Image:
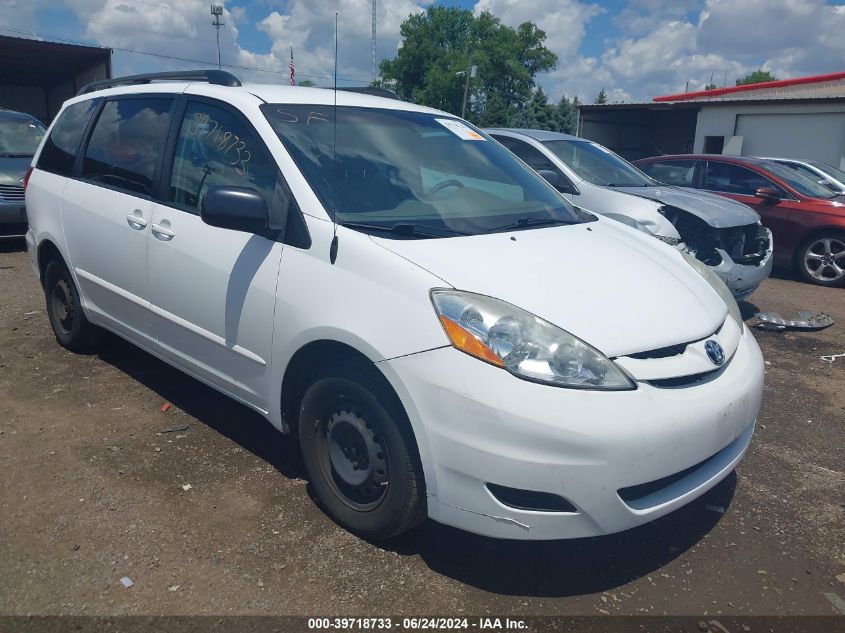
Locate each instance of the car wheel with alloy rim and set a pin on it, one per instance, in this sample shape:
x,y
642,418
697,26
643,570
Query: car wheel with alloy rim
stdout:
x,y
821,259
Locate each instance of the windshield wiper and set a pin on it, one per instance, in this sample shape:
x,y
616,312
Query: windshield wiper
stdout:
x,y
523,223
405,229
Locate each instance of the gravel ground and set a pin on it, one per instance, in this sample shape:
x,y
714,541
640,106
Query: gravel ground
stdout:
x,y
94,490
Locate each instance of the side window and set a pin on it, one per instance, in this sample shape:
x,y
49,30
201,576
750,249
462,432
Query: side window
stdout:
x,y
216,148
730,178
59,153
127,142
533,157
673,172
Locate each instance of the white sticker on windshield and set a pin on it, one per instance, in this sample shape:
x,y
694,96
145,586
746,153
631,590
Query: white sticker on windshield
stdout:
x,y
460,130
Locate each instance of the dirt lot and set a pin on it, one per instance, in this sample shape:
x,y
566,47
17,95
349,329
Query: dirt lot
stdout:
x,y
93,491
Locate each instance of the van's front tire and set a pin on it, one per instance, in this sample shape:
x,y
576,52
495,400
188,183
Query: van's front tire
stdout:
x,y
359,453
64,310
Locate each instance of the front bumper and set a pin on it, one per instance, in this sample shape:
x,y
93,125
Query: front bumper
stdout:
x,y
12,219
743,279
479,425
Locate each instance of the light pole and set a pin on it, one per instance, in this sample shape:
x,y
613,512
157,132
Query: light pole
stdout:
x,y
217,11
473,71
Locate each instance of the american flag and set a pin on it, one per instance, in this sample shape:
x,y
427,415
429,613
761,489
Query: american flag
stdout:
x,y
292,71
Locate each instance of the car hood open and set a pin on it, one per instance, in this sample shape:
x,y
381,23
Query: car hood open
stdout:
x,y
718,211
614,288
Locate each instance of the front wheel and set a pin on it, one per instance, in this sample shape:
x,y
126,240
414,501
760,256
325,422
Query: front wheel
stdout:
x,y
821,259
359,453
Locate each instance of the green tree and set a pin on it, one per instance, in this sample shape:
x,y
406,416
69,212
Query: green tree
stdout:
x,y
537,114
306,83
710,87
601,97
440,45
566,115
756,77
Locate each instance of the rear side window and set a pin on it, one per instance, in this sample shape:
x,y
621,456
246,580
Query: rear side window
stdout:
x,y
217,149
127,142
672,172
60,149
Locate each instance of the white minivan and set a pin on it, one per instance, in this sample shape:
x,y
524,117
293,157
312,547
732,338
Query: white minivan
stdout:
x,y
444,332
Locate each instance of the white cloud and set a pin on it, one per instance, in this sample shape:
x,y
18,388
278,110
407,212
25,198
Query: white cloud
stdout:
x,y
658,45
664,45
564,24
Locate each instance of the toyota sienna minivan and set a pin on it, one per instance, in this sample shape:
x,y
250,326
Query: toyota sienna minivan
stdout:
x,y
447,336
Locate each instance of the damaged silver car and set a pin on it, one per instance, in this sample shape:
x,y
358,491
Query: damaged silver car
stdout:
x,y
725,235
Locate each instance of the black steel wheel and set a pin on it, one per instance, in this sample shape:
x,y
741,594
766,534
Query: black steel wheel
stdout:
x,y
64,310
359,452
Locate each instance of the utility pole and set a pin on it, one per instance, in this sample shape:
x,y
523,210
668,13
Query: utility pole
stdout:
x,y
473,71
375,73
217,11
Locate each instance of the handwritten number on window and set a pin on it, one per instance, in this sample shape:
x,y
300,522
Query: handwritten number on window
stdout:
x,y
213,134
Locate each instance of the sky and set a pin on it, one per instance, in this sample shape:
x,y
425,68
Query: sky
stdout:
x,y
634,49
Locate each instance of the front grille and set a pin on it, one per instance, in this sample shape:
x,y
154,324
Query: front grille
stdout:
x,y
663,352
531,499
680,381
11,193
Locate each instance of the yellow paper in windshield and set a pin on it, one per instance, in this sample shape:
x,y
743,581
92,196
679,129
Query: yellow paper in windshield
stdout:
x,y
460,130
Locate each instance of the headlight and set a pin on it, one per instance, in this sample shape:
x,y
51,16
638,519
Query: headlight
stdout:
x,y
719,286
525,345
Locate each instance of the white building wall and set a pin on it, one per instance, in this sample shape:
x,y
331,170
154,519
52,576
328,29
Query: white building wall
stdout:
x,y
801,130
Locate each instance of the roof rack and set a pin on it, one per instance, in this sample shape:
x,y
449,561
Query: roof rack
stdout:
x,y
216,77
375,91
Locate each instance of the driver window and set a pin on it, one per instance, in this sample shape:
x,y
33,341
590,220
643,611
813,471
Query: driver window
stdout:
x,y
730,178
215,148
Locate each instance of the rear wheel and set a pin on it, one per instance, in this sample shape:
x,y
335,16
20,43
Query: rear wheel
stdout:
x,y
360,454
64,310
821,259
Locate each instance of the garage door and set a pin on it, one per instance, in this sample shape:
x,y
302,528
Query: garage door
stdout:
x,y
819,136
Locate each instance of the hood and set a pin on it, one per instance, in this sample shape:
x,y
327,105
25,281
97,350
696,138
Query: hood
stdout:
x,y
13,169
718,211
608,284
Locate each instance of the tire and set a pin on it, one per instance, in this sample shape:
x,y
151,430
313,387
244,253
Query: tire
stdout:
x,y
71,328
820,259
359,453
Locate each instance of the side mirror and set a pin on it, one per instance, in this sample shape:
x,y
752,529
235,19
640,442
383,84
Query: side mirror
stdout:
x,y
767,195
235,208
555,180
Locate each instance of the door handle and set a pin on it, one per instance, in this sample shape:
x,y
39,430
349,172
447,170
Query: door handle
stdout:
x,y
162,233
136,220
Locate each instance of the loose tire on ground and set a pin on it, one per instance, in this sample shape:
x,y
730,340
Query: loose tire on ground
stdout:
x,y
359,452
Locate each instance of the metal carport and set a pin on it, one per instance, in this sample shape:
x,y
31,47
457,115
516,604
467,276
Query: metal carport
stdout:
x,y
36,76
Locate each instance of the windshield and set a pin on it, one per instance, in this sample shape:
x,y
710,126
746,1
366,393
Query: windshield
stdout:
x,y
20,137
830,170
804,185
598,165
401,170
